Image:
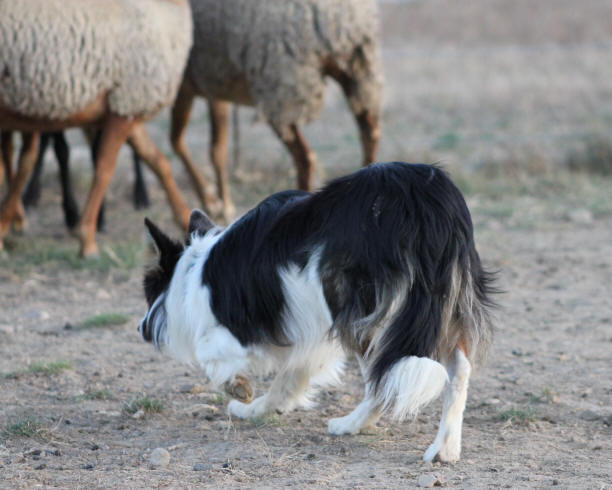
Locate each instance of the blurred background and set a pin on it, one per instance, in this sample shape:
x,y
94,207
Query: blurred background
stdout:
x,y
514,98
514,88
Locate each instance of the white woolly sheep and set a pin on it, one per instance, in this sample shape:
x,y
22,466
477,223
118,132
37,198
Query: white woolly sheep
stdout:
x,y
111,63
275,55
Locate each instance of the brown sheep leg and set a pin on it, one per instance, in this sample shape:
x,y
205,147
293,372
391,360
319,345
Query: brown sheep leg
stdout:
x,y
6,156
367,121
115,131
11,205
219,119
302,156
179,119
142,144
369,131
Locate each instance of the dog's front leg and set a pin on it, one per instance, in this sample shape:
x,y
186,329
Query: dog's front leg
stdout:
x,y
221,356
288,390
365,415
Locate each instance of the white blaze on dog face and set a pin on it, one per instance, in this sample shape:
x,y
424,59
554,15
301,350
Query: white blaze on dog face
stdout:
x,y
157,281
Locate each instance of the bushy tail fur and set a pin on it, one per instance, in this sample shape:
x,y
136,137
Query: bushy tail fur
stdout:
x,y
428,329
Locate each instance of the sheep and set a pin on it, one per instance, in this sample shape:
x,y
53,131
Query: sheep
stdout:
x,y
111,63
275,55
61,149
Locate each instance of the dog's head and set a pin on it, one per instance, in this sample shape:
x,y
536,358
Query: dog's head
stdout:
x,y
158,278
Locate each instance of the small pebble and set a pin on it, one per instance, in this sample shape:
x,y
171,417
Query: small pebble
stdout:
x,y
160,458
138,415
223,425
589,416
583,216
201,467
192,389
41,466
429,481
88,466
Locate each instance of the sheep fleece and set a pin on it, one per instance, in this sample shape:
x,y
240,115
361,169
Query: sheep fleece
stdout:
x,y
269,53
58,56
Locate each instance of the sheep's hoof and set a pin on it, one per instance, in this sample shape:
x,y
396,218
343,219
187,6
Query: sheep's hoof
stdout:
x,y
19,226
89,250
240,389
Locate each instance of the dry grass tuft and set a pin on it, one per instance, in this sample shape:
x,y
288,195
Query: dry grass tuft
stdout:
x,y
595,158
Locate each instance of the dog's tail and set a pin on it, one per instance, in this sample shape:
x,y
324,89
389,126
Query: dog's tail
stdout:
x,y
403,371
410,384
407,358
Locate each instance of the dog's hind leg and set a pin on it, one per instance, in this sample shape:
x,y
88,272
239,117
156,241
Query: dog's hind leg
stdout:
x,y
447,445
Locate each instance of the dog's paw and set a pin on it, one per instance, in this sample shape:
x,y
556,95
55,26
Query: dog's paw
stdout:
x,y
247,410
448,453
342,425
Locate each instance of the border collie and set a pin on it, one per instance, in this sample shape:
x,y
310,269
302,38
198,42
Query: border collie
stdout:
x,y
380,263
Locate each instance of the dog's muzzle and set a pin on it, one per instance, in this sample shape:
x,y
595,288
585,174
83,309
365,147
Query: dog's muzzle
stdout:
x,y
145,329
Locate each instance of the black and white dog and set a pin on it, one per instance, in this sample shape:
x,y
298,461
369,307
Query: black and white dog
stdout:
x,y
381,263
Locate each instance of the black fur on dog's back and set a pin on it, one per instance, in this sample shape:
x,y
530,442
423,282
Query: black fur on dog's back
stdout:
x,y
392,239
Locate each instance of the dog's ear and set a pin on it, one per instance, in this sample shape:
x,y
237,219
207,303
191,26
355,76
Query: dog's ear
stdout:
x,y
199,222
166,247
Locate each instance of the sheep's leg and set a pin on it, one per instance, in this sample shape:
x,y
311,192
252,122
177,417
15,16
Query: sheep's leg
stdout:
x,y
115,131
31,196
369,131
12,202
219,119
367,118
62,153
6,155
142,144
180,117
2,165
302,156
94,147
140,194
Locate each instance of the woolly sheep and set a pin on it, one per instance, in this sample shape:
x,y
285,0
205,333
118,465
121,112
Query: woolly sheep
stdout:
x,y
275,55
111,63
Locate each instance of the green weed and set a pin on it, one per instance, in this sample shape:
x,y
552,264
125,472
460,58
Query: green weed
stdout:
x,y
103,320
24,254
41,368
268,420
102,394
23,427
517,415
144,403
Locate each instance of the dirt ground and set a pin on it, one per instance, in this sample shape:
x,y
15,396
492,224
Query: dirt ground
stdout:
x,y
501,96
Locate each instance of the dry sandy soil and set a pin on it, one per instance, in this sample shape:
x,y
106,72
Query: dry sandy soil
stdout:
x,y
501,96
